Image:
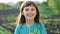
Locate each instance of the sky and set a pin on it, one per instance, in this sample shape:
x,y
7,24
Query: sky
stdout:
x,y
15,1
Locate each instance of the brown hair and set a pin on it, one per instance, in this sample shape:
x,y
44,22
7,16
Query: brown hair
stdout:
x,y
21,18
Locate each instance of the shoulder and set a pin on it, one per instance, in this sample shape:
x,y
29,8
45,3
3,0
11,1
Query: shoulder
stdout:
x,y
17,29
40,23
19,26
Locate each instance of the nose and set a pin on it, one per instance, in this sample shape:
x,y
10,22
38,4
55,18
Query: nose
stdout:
x,y
30,11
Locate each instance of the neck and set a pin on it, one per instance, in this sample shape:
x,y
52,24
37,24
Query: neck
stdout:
x,y
29,22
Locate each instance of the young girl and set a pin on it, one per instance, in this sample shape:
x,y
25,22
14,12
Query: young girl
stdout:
x,y
28,20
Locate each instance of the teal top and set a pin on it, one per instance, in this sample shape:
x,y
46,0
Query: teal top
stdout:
x,y
36,28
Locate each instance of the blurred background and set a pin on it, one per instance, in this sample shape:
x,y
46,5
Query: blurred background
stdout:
x,y
49,15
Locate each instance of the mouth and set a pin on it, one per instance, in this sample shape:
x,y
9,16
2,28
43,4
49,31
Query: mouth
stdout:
x,y
30,15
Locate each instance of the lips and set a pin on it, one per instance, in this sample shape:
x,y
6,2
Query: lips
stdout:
x,y
30,15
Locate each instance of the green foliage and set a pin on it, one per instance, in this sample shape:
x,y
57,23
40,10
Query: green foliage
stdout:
x,y
4,6
45,10
54,4
9,18
52,25
4,31
20,3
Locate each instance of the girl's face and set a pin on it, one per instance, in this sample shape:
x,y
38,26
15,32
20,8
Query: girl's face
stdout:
x,y
29,12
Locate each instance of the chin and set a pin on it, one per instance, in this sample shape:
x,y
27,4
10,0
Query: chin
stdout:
x,y
30,18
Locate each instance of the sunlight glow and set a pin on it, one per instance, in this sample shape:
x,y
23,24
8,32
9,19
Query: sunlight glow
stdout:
x,y
15,1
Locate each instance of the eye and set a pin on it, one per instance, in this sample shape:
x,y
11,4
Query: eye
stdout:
x,y
32,9
27,9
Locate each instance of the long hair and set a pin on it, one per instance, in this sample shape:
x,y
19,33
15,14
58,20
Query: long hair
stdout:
x,y
21,18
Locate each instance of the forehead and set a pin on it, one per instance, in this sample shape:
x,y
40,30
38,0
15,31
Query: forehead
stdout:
x,y
31,6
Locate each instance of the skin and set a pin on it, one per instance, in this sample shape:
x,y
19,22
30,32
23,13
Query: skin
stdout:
x,y
29,12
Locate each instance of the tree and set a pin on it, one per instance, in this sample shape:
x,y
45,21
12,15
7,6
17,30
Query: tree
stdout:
x,y
54,4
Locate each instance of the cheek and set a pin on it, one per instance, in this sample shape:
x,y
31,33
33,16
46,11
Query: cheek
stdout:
x,y
24,13
35,13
